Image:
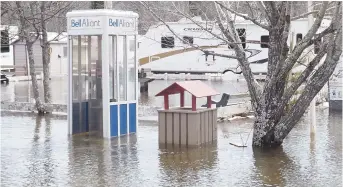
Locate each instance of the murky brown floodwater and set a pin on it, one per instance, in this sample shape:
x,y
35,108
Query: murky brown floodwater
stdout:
x,y
36,151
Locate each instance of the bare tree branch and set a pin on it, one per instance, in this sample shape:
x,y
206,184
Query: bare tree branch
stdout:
x,y
303,44
176,35
247,73
309,13
264,11
188,17
320,77
302,78
243,16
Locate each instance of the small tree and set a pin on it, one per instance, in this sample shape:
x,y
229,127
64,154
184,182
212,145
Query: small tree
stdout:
x,y
29,32
32,18
272,121
48,11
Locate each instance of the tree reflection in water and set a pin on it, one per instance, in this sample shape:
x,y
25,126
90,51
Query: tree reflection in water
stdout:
x,y
271,163
41,170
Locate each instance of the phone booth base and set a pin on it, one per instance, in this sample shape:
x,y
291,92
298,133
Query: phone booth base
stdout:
x,y
102,72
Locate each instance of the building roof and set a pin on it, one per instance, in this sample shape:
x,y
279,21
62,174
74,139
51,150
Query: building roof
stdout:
x,y
196,88
102,12
53,37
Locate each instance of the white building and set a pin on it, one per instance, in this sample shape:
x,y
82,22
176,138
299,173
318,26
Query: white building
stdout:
x,y
58,55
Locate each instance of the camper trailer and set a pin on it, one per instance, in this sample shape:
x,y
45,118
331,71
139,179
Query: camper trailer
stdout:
x,y
161,51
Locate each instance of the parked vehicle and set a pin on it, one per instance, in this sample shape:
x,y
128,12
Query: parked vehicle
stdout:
x,y
4,79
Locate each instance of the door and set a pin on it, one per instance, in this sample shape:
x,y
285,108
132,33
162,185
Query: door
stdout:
x,y
95,108
86,83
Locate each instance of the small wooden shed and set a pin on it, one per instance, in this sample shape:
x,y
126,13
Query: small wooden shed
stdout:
x,y
183,125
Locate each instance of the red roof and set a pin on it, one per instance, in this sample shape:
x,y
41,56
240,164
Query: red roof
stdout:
x,y
196,88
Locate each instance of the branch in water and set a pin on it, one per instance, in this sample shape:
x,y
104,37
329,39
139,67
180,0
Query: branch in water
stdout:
x,y
238,145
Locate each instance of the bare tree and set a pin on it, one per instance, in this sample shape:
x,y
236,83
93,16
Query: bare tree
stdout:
x,y
272,121
49,10
29,31
32,19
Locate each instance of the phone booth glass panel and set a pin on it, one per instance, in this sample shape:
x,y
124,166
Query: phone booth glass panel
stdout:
x,y
87,80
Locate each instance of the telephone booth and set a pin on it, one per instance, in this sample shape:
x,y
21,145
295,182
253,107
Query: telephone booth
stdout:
x,y
102,72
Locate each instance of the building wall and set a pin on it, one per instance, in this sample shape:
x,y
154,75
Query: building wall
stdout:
x,y
58,59
335,88
58,65
20,57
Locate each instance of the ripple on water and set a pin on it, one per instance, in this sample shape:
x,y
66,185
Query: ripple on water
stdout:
x,y
36,151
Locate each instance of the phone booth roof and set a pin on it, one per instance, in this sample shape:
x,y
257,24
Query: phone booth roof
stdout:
x,y
102,21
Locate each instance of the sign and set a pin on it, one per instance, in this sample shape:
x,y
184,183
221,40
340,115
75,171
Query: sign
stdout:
x,y
114,24
335,93
335,83
122,25
84,23
126,23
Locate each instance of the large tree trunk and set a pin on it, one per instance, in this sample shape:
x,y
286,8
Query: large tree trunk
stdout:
x,y
273,122
39,105
266,114
45,57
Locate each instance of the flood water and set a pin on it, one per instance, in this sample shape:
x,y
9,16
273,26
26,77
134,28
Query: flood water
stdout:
x,y
22,92
36,151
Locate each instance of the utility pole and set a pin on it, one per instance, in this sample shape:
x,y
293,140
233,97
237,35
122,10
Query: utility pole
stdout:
x,y
108,4
309,58
97,4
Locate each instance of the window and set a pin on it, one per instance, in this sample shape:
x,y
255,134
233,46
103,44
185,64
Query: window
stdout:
x,y
187,40
113,85
317,44
299,37
122,66
264,40
131,69
5,47
167,42
242,36
65,51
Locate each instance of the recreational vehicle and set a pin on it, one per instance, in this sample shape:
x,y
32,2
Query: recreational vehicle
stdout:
x,y
161,51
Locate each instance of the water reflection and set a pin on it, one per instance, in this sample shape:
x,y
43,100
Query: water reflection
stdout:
x,y
271,166
183,165
335,130
36,151
41,172
22,92
87,158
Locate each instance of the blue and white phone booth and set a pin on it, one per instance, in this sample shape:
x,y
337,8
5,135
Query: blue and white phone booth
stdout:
x,y
102,72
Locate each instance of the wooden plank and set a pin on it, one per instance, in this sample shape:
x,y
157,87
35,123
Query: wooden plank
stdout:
x,y
176,129
169,128
205,121
193,129
215,124
161,127
210,124
183,129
